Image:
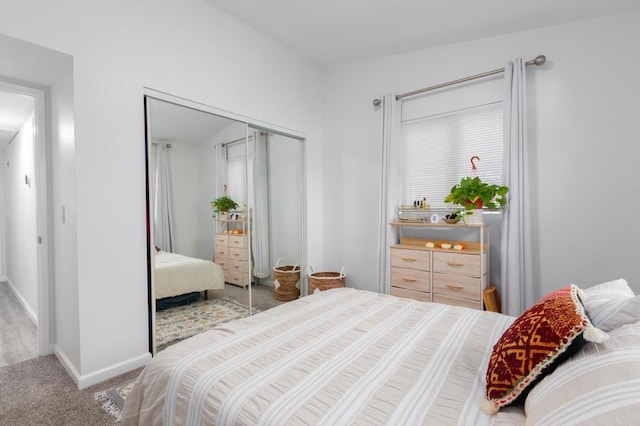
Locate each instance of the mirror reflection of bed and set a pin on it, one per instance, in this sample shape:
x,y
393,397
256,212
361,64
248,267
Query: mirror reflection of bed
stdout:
x,y
194,157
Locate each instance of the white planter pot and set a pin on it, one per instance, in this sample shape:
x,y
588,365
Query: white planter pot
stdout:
x,y
475,218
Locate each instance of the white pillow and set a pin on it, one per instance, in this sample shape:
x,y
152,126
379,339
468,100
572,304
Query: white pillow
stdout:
x,y
598,385
610,290
616,313
612,304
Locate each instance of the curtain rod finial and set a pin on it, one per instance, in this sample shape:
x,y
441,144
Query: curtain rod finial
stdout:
x,y
540,60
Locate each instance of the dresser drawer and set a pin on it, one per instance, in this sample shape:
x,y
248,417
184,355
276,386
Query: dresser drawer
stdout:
x,y
238,241
410,259
456,263
457,286
236,265
221,239
236,253
222,261
235,277
410,294
410,279
221,251
447,300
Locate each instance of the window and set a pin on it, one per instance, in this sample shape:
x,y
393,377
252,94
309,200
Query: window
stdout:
x,y
435,152
238,166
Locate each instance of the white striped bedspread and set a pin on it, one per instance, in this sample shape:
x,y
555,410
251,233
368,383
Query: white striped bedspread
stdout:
x,y
342,356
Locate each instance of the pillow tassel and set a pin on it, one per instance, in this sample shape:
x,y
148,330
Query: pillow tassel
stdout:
x,y
594,334
582,294
487,406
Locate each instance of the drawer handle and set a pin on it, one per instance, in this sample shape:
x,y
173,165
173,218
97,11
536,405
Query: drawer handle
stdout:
x,y
411,280
409,259
455,287
455,264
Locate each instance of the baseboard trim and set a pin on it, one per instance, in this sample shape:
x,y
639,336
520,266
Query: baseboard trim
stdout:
x,y
86,380
66,363
32,315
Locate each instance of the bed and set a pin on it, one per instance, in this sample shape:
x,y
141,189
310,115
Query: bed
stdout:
x,y
347,356
176,274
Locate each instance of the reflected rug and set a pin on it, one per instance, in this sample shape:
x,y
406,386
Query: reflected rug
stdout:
x,y
178,323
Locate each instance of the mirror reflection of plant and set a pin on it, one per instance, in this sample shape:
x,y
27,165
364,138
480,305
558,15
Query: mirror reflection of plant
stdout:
x,y
223,204
472,193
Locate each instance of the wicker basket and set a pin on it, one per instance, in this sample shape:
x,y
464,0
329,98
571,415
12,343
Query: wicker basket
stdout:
x,y
287,277
321,281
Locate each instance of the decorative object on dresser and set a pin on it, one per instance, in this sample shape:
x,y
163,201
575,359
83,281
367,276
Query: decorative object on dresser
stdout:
x,y
450,272
285,280
223,205
325,280
232,250
473,194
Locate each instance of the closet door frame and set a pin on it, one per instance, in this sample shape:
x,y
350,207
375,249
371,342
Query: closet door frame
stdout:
x,y
250,123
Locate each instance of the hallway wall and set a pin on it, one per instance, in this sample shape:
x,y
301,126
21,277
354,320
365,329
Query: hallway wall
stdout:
x,y
20,226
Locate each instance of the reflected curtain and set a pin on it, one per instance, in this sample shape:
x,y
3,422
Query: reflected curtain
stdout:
x,y
260,241
162,215
516,286
221,170
388,179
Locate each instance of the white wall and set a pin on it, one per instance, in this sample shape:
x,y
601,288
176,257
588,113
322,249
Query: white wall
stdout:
x,y
3,269
184,170
186,48
582,113
35,66
19,184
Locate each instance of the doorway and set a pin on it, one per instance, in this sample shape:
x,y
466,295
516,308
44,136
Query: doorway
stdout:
x,y
24,265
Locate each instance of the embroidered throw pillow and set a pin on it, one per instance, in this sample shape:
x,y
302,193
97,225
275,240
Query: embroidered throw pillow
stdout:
x,y
540,339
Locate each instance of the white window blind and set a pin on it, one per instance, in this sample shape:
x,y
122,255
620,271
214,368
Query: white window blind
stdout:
x,y
435,152
237,166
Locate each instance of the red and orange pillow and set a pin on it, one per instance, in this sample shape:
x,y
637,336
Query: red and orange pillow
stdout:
x,y
542,337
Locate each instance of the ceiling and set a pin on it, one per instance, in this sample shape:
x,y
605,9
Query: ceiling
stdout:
x,y
178,124
337,31
14,111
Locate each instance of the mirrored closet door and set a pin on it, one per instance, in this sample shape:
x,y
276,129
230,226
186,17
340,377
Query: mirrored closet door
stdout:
x,y
208,266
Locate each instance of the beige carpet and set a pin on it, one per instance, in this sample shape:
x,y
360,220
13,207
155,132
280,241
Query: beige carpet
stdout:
x,y
40,392
261,295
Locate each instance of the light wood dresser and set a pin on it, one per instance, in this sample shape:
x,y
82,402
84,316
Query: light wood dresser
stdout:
x,y
442,275
231,252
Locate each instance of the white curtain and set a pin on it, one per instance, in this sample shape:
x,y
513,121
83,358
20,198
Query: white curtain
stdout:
x,y
221,170
389,199
162,214
516,287
260,241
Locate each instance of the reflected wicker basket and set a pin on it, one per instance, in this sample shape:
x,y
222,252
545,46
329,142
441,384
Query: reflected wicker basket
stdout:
x,y
326,280
285,282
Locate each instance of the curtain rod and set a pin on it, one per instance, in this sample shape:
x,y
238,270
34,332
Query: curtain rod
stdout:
x,y
233,142
538,61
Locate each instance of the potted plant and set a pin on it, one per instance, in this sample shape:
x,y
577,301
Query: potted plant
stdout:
x,y
223,204
473,194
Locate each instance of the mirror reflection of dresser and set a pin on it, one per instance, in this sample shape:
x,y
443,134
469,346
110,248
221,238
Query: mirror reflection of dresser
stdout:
x,y
210,153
